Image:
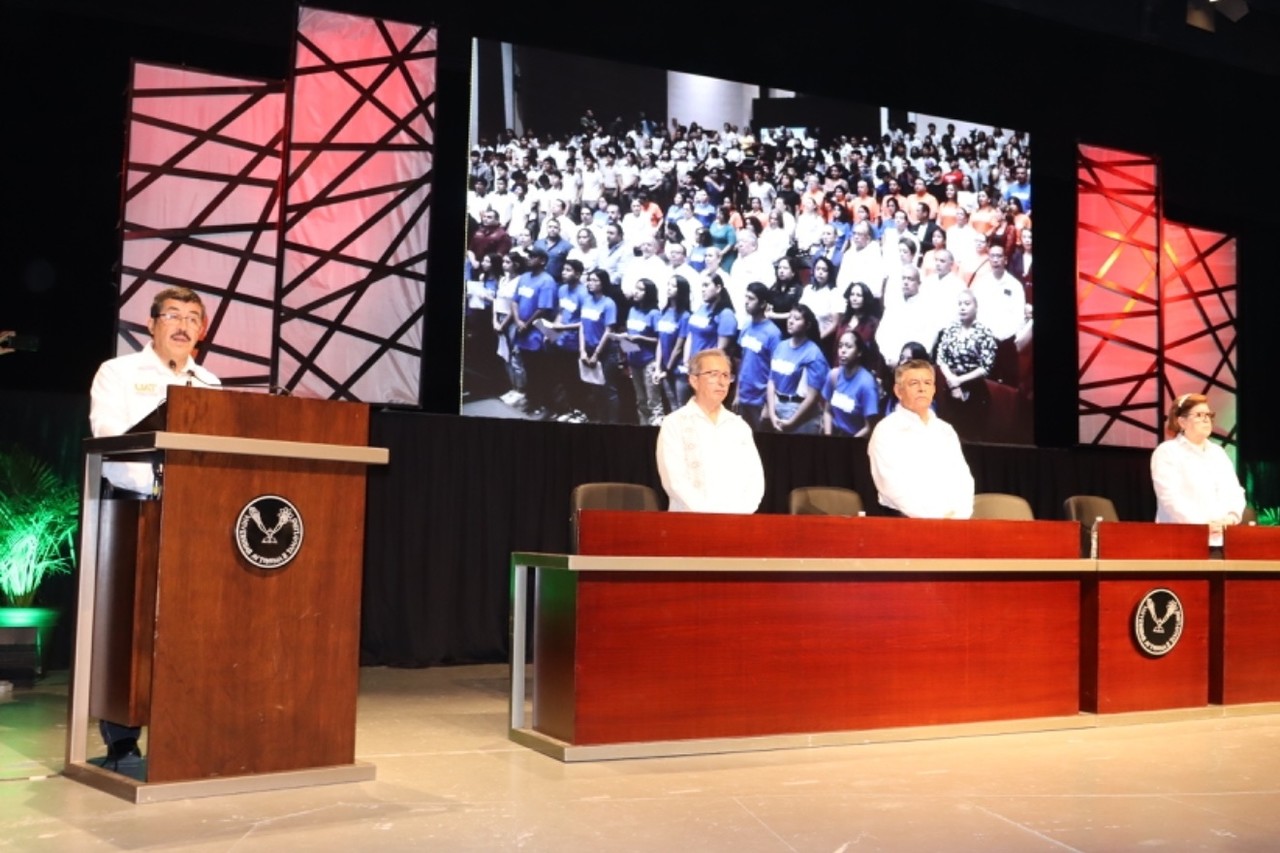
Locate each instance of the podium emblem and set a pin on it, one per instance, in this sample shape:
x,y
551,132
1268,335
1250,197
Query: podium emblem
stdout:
x,y
269,532
1157,622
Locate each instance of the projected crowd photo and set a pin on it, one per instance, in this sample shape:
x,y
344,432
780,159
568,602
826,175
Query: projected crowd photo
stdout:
x,y
606,245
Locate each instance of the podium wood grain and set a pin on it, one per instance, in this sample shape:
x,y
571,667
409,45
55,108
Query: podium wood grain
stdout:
x,y
250,671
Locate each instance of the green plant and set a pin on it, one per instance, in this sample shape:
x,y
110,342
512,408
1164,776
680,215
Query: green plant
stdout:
x,y
1269,516
39,517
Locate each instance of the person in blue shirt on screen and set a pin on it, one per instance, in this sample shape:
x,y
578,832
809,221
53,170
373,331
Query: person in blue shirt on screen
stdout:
x,y
535,300
850,395
796,375
673,328
597,348
642,332
713,325
757,341
562,354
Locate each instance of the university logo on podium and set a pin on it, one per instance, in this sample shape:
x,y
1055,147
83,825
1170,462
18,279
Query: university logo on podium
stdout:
x,y
1157,622
269,532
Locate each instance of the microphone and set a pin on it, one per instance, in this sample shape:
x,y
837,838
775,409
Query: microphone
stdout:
x,y
189,373
173,368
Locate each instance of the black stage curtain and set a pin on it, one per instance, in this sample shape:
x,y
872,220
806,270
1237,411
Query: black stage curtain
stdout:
x,y
461,494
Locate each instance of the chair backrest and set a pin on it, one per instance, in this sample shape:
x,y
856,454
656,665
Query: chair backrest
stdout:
x,y
622,496
825,500
1088,508
997,505
1249,516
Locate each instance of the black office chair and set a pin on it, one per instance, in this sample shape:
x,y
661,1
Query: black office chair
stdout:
x,y
997,505
824,500
621,496
1087,509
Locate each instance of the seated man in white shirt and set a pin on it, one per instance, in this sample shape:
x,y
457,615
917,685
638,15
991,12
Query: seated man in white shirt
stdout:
x,y
707,456
916,461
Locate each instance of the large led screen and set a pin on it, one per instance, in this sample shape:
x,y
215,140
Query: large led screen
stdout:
x,y
620,218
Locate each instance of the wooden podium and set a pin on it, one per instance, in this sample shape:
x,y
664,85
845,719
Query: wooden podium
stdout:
x,y
1134,559
242,664
1244,664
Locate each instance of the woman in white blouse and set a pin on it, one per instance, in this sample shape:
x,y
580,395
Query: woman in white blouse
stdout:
x,y
1194,480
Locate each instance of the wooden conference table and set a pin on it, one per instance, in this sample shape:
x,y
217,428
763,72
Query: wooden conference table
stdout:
x,y
676,633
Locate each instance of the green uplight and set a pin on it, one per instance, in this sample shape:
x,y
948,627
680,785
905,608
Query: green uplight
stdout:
x,y
28,617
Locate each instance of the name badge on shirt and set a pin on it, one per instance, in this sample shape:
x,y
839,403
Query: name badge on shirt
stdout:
x,y
843,402
637,324
667,326
527,291
149,388
590,313
782,367
568,306
753,344
700,320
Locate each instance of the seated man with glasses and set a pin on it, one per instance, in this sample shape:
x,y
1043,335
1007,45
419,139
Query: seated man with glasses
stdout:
x,y
1194,480
125,390
707,456
916,461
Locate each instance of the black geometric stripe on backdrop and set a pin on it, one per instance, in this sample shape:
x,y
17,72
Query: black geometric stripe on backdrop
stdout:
x,y
379,269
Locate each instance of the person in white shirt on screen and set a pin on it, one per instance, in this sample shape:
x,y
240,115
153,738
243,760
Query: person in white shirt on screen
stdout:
x,y
706,454
1001,296
862,262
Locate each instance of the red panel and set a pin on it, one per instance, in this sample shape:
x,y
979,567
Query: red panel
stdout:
x,y
1129,680
1146,540
715,655
1250,666
1156,305
1243,542
1198,320
1117,296
605,532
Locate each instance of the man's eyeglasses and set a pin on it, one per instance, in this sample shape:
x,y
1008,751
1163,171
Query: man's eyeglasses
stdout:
x,y
716,375
174,318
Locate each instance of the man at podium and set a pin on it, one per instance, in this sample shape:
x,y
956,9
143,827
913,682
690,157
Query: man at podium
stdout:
x,y
125,390
128,388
